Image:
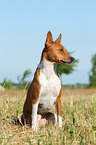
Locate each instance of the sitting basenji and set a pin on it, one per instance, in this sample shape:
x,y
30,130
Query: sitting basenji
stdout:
x,y
45,89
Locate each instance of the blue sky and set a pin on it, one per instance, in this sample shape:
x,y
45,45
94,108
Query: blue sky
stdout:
x,y
23,28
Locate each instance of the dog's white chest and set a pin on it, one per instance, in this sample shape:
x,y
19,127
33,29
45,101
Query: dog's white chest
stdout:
x,y
50,87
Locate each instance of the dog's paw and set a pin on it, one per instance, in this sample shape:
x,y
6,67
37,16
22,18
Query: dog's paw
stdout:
x,y
36,124
34,127
43,122
60,125
60,122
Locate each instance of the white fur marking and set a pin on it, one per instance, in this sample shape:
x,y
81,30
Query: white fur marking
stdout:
x,y
50,85
34,115
55,119
59,121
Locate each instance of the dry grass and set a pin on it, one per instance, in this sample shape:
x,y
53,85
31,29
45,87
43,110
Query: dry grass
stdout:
x,y
78,114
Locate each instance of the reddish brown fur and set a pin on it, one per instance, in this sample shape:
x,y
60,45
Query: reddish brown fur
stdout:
x,y
32,98
53,52
58,104
56,53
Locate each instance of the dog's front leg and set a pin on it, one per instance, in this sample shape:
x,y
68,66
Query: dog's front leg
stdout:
x,y
58,110
34,115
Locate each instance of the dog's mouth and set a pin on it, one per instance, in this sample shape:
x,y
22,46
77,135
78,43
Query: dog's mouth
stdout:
x,y
67,62
64,62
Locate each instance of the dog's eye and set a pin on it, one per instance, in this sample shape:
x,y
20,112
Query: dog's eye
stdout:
x,y
61,50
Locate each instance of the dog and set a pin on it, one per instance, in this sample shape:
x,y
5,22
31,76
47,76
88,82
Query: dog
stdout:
x,y
45,89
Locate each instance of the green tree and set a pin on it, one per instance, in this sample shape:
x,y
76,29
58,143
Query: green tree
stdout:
x,y
66,69
7,83
21,78
92,74
25,75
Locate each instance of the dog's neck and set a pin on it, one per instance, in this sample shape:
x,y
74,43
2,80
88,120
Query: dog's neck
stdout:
x,y
47,67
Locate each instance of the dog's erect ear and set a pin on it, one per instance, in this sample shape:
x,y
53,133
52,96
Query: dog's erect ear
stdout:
x,y
58,40
49,39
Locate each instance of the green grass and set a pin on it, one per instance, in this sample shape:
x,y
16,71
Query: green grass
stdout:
x,y
78,115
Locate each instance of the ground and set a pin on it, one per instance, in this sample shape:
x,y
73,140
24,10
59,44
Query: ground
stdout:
x,y
78,115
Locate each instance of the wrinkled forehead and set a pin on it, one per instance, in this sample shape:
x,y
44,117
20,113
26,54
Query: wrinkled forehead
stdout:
x,y
58,46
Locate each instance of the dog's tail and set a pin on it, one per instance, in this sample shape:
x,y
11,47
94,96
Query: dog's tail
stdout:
x,y
16,121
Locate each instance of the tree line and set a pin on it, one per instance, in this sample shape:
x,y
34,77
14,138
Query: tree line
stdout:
x,y
61,69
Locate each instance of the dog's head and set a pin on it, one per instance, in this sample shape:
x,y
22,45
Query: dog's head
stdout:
x,y
55,52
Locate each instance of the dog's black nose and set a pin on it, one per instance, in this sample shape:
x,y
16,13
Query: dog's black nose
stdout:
x,y
72,59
